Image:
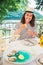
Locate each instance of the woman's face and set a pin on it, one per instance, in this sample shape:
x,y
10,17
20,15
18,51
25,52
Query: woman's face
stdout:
x,y
28,17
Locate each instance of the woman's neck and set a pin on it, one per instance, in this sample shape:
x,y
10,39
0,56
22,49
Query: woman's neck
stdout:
x,y
27,23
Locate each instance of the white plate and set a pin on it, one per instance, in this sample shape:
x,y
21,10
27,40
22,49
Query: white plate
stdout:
x,y
39,59
33,54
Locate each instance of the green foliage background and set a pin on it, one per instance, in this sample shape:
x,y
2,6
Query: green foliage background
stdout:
x,y
14,5
11,5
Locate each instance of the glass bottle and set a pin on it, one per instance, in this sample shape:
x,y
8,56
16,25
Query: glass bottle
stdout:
x,y
41,40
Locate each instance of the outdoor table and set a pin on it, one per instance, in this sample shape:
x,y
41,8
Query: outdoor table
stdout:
x,y
20,44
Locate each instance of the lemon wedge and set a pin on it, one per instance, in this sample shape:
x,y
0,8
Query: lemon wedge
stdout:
x,y
21,57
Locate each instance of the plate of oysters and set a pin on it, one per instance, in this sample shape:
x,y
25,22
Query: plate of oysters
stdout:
x,y
19,57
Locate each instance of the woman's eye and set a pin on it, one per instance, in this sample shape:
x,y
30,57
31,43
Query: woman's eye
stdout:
x,y
30,15
27,14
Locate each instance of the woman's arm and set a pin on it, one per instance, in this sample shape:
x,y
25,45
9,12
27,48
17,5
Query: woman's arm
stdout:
x,y
18,31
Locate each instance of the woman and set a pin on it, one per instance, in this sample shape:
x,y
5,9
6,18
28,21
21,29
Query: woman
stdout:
x,y
26,28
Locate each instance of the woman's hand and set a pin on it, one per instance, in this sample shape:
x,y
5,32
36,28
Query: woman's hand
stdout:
x,y
34,34
17,31
31,33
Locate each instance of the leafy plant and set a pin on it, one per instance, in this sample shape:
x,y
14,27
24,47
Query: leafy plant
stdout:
x,y
3,31
10,5
39,4
40,27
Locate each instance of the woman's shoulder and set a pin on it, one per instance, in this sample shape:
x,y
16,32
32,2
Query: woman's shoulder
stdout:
x,y
19,25
22,25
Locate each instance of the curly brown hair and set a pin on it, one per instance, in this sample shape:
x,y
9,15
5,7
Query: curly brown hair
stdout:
x,y
32,22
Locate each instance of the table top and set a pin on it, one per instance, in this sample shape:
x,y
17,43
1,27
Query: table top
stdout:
x,y
20,44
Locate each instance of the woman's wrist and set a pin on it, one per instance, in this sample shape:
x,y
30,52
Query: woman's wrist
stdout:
x,y
34,34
